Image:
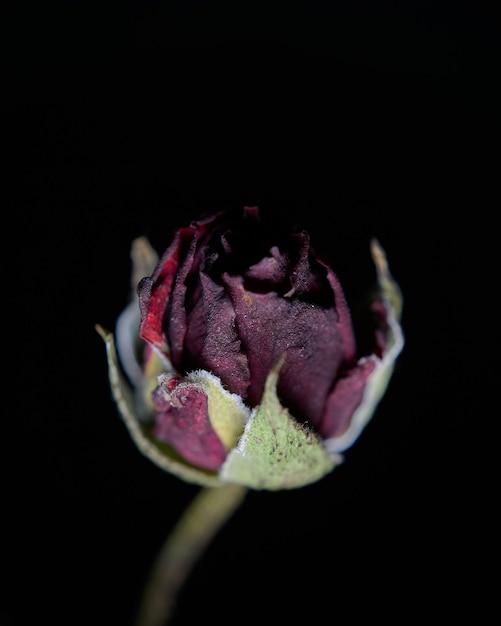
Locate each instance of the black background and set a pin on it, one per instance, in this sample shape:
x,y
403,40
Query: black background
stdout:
x,y
371,119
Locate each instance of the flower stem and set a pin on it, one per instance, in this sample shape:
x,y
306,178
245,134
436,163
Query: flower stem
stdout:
x,y
198,525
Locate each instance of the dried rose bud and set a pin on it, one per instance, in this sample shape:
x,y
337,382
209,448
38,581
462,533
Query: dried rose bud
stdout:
x,y
243,358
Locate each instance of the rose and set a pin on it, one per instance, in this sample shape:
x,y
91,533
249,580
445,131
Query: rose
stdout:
x,y
249,367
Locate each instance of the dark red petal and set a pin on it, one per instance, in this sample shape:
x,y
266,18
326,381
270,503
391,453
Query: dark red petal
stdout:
x,y
175,324
271,270
301,276
183,423
344,316
268,326
344,399
154,292
212,342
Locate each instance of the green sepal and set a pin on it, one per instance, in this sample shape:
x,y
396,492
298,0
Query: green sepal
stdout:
x,y
160,454
276,452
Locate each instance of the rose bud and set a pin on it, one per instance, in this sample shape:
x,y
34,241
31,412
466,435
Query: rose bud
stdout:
x,y
242,356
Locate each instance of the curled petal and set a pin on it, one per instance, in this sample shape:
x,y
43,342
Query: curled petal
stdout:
x,y
154,292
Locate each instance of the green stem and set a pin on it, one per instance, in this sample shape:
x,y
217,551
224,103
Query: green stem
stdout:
x,y
198,525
